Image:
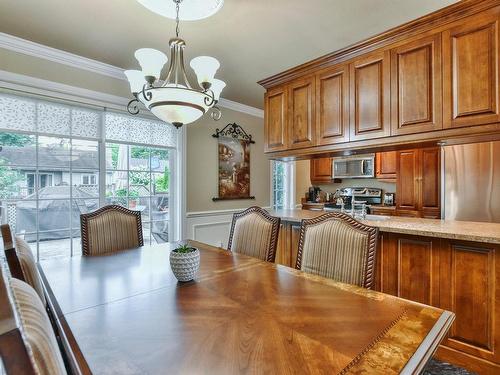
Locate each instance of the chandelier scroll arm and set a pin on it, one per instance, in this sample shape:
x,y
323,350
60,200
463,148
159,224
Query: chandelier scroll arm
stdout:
x,y
209,99
216,113
133,106
146,93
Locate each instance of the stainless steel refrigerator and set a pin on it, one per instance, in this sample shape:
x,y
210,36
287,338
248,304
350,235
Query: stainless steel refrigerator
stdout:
x,y
471,182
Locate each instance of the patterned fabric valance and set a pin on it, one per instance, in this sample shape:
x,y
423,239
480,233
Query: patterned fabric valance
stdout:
x,y
19,113
126,128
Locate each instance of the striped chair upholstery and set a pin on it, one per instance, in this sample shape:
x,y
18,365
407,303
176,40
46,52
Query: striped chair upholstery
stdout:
x,y
255,233
110,229
336,246
28,266
37,331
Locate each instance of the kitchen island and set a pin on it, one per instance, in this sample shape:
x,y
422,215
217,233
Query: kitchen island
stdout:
x,y
453,265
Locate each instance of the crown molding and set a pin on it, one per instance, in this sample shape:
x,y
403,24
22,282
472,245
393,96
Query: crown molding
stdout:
x,y
235,106
56,90
26,47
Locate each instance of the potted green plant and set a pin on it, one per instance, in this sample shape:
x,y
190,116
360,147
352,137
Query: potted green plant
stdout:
x,y
185,262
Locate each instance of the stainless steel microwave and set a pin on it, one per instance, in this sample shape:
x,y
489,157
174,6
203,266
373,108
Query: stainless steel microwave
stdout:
x,y
359,166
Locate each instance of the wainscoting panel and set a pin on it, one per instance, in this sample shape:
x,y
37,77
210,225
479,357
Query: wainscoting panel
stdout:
x,y
211,227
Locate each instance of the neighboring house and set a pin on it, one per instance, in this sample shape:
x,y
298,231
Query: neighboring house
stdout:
x,y
55,171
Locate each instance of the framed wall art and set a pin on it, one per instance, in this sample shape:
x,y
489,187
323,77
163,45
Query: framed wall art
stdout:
x,y
234,163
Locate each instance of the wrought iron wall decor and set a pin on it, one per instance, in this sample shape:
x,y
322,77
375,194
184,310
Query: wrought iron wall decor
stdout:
x,y
234,162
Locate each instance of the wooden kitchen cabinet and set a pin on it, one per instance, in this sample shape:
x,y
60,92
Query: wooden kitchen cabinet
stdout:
x,y
332,105
275,119
470,71
383,210
385,166
321,170
430,80
288,244
430,183
416,86
370,96
301,120
418,183
454,275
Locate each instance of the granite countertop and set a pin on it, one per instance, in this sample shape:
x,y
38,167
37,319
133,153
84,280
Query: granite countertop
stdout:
x,y
460,230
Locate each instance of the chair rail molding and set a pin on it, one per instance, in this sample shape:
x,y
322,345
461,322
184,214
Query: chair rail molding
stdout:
x,y
26,47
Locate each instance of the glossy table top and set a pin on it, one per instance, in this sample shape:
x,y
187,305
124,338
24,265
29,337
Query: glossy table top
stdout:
x,y
129,315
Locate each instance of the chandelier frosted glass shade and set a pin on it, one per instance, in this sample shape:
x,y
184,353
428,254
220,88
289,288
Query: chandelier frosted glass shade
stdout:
x,y
217,87
136,80
191,9
205,68
151,61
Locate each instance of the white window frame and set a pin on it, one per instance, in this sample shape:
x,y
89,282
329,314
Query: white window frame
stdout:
x,y
289,184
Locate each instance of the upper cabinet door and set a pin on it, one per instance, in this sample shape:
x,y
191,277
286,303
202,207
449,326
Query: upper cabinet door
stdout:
x,y
301,129
470,71
370,96
275,116
332,103
321,170
416,87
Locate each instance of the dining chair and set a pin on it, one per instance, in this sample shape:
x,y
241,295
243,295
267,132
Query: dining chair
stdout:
x,y
21,262
28,344
336,246
255,233
109,229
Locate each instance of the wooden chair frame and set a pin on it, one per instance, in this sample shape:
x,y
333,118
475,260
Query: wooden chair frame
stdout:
x,y
11,254
369,275
275,221
84,223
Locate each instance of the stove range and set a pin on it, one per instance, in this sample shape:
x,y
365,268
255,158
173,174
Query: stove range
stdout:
x,y
370,196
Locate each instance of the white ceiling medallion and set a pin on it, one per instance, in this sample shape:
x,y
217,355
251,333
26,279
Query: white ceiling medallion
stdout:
x,y
172,98
191,10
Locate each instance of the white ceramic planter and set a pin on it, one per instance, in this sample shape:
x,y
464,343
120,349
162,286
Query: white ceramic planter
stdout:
x,y
185,265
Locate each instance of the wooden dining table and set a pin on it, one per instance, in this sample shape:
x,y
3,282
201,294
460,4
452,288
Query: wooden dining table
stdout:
x,y
125,313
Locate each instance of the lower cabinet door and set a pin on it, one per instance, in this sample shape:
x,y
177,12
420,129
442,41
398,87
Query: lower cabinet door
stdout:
x,y
469,287
454,275
282,250
294,242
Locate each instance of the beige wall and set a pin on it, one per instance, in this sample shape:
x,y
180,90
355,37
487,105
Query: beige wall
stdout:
x,y
303,181
40,68
202,163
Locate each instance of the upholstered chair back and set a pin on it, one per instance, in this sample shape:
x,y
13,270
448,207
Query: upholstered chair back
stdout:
x,y
38,333
28,266
336,246
110,229
255,233
28,343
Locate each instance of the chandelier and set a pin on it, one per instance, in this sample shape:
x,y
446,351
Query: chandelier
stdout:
x,y
173,99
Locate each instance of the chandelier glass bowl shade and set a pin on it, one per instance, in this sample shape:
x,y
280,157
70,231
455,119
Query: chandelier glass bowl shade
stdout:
x,y
172,98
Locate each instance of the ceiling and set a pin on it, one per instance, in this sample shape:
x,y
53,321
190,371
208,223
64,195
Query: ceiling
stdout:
x,y
253,39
